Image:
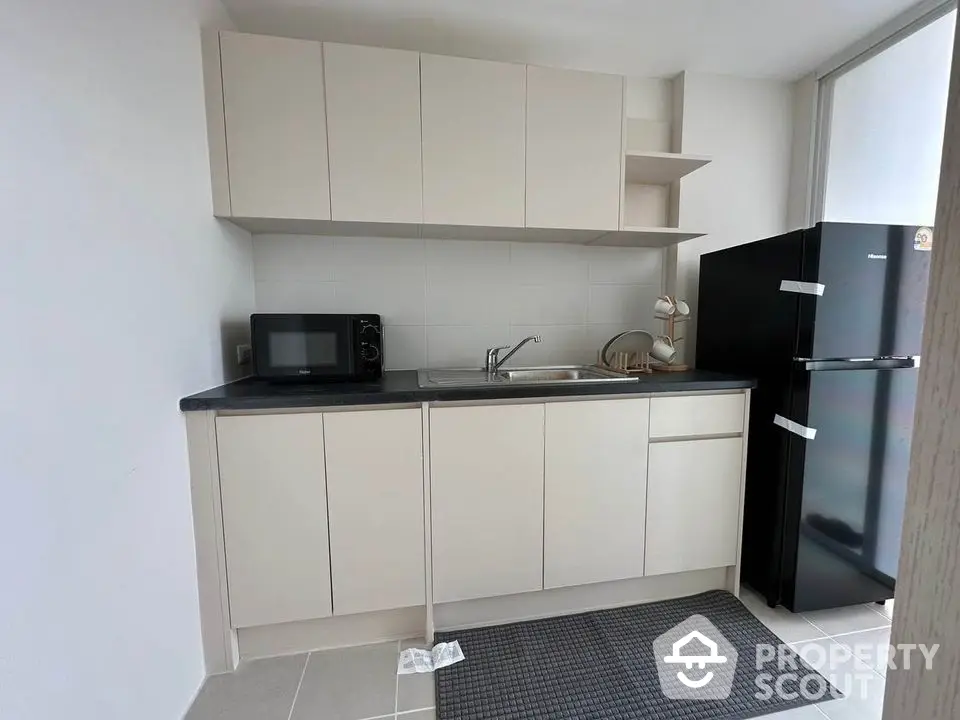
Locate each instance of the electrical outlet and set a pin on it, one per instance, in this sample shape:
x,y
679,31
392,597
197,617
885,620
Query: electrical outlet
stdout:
x,y
244,354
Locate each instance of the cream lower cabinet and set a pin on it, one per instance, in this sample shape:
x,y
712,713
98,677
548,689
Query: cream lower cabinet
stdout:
x,y
595,489
375,499
486,466
273,494
693,504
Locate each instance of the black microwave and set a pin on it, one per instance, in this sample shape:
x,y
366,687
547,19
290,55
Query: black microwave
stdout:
x,y
317,347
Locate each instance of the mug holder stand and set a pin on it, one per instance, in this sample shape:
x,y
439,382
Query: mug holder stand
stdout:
x,y
671,331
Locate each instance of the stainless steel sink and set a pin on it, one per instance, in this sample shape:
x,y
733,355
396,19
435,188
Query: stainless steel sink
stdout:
x,y
553,375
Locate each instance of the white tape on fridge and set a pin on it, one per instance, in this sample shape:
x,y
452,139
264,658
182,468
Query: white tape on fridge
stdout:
x,y
806,288
796,428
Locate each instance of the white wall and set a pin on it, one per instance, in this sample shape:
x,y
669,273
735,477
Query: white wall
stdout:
x,y
115,285
444,301
747,127
802,155
886,133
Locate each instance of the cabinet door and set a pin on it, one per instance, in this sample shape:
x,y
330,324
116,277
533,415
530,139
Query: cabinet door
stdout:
x,y
473,141
375,498
574,150
373,123
594,491
693,505
486,468
276,127
273,493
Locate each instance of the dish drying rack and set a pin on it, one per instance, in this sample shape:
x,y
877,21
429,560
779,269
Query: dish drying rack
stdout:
x,y
630,363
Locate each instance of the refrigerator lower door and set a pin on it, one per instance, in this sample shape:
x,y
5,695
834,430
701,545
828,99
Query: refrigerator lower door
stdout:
x,y
847,486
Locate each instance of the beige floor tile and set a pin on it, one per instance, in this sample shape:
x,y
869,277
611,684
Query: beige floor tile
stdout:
x,y
349,684
840,621
786,625
871,646
417,691
430,714
809,712
258,690
886,609
862,687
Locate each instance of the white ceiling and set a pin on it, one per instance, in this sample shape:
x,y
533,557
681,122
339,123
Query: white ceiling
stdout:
x,y
656,38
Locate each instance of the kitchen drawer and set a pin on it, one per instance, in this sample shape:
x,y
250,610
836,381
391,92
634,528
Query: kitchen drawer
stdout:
x,y
696,415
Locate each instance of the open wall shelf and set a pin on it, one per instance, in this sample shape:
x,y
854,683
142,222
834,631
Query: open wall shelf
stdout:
x,y
655,237
660,168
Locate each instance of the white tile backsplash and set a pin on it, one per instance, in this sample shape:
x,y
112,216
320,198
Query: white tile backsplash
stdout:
x,y
631,305
405,346
453,302
549,304
398,299
463,345
297,296
625,266
443,301
294,259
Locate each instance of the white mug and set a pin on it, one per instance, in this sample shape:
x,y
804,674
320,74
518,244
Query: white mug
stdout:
x,y
663,350
683,310
665,306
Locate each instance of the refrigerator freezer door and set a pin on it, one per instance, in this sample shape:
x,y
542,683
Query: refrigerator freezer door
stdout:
x,y
850,486
875,291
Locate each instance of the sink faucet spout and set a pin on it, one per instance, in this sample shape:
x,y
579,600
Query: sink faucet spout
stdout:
x,y
494,361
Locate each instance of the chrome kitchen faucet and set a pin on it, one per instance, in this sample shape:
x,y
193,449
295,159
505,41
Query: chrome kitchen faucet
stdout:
x,y
493,360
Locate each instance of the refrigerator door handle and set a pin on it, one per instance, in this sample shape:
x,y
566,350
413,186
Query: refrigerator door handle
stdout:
x,y
886,363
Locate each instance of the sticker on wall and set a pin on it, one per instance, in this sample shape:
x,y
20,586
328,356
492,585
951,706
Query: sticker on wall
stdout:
x,y
923,240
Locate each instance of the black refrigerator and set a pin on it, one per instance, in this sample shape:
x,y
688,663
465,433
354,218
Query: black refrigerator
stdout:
x,y
829,321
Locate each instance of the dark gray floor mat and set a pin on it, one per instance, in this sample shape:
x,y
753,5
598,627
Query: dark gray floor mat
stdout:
x,y
601,666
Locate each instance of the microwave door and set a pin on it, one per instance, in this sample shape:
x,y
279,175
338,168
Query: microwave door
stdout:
x,y
302,346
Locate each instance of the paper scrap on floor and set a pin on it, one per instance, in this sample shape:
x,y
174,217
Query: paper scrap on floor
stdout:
x,y
415,660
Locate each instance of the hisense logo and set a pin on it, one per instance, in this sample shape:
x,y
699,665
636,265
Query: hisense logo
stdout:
x,y
875,256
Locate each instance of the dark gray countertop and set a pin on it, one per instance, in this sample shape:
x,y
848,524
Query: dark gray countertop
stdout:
x,y
400,386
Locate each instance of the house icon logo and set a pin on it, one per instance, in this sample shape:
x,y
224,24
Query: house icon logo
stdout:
x,y
695,661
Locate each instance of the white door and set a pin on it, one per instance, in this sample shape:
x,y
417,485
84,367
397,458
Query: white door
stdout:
x,y
275,121
595,491
693,505
486,468
273,494
373,122
473,141
574,149
375,498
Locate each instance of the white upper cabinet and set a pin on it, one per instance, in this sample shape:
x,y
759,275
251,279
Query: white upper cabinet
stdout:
x,y
275,124
595,491
373,125
574,149
473,141
374,461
